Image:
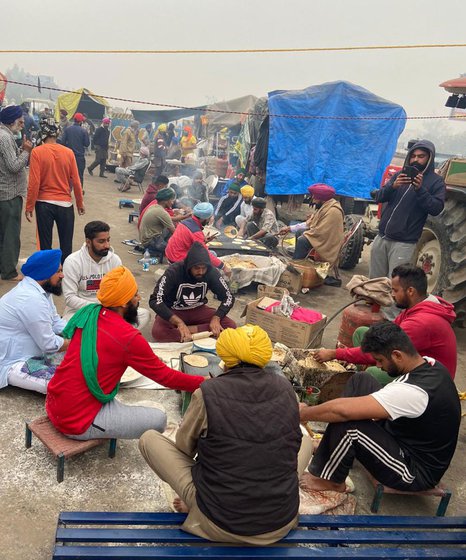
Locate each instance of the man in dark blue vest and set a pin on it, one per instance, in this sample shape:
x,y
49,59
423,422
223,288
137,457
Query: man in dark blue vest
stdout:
x,y
244,428
404,434
76,138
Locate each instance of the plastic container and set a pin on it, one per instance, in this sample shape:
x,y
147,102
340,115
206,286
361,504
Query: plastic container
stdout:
x,y
310,277
205,345
147,260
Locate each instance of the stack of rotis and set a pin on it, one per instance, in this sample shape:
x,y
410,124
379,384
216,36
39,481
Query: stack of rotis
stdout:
x,y
300,366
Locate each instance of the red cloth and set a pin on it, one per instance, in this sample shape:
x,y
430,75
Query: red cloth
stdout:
x,y
428,325
300,314
70,405
306,315
181,241
164,331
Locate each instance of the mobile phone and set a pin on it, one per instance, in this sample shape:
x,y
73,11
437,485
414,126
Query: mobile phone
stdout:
x,y
410,171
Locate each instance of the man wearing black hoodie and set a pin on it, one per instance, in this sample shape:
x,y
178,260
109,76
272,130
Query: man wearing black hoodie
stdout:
x,y
180,296
409,200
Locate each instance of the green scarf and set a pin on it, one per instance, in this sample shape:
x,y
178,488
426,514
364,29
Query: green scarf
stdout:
x,y
86,319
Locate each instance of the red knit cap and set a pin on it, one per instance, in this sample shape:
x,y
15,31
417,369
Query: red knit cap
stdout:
x,y
321,191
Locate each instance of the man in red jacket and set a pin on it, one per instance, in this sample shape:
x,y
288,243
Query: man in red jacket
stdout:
x,y
425,319
80,401
191,230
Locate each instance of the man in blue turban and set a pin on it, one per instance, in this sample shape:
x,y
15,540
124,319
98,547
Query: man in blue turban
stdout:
x,y
13,188
31,345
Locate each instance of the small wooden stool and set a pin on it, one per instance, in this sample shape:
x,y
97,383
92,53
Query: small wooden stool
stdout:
x,y
438,491
61,446
133,216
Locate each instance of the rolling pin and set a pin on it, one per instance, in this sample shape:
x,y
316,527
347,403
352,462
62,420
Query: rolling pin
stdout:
x,y
200,335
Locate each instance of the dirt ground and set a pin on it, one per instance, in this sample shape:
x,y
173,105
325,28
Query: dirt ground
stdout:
x,y
30,496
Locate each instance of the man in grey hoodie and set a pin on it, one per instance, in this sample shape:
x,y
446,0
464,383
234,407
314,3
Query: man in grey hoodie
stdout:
x,y
409,200
84,269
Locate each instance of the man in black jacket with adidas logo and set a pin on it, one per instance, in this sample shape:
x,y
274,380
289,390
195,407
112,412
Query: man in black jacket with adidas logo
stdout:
x,y
404,434
180,299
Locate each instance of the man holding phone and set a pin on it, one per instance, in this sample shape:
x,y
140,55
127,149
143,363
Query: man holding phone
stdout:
x,y
410,196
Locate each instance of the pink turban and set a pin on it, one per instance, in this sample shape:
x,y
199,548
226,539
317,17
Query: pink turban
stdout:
x,y
321,191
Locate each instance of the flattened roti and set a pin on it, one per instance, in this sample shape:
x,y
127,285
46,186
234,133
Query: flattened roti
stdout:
x,y
215,243
196,361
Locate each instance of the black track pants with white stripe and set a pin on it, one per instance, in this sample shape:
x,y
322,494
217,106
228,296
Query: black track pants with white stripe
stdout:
x,y
367,441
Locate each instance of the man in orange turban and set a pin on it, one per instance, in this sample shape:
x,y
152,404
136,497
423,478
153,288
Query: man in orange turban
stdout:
x,y
244,428
81,401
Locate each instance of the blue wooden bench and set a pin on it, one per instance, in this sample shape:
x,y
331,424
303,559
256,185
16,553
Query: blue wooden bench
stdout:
x,y
158,535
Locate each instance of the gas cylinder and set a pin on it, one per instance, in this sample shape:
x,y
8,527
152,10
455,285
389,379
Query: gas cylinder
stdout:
x,y
360,314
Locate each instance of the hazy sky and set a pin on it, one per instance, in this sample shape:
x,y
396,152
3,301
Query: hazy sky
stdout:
x,y
407,77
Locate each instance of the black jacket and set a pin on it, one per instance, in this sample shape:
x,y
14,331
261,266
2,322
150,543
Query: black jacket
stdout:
x,y
429,440
246,472
101,137
406,209
178,290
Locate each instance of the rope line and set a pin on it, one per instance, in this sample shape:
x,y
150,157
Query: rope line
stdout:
x,y
234,51
277,115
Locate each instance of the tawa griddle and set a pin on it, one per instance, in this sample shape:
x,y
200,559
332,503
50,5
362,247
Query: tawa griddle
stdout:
x,y
212,367
228,247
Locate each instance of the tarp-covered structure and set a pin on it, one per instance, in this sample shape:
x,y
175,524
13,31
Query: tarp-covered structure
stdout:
x,y
229,113
222,114
165,116
81,101
249,133
327,139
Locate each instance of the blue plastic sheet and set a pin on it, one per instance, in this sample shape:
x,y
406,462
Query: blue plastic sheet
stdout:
x,y
351,155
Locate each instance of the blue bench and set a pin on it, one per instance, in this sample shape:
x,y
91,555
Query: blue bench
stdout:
x,y
140,535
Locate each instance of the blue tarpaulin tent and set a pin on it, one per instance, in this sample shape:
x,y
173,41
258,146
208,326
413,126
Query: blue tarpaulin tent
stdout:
x,y
349,154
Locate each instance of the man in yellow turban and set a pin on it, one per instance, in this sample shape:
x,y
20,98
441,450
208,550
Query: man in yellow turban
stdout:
x,y
244,428
247,192
80,401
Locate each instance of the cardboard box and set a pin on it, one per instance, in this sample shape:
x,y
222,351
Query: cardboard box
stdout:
x,y
293,334
274,292
292,281
267,302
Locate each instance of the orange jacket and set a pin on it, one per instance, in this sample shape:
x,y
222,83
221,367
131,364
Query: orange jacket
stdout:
x,y
53,173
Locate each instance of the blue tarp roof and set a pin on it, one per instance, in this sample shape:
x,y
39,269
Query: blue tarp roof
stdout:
x,y
350,155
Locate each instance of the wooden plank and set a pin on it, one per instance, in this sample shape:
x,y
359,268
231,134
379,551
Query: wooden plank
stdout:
x,y
251,553
375,521
345,536
121,518
341,521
